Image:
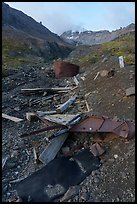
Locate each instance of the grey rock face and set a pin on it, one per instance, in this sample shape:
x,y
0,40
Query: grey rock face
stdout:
x,y
95,37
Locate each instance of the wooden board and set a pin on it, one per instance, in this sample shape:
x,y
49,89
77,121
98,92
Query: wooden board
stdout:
x,y
37,90
15,119
62,119
65,105
53,148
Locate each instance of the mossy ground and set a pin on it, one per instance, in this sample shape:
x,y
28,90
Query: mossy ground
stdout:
x,y
122,46
15,54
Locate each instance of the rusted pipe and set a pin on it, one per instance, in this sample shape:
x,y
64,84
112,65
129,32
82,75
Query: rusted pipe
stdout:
x,y
42,130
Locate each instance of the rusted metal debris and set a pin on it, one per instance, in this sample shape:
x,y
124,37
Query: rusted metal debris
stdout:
x,y
65,69
101,124
91,124
42,130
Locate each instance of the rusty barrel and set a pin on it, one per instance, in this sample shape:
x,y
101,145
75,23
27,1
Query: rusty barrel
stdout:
x,y
65,69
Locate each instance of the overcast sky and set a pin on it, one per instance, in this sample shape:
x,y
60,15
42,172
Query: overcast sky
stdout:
x,y
62,16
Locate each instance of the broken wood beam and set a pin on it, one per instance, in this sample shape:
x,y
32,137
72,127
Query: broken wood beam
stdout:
x,y
87,105
65,105
39,90
63,119
42,113
96,75
53,148
36,101
4,161
76,81
12,118
35,156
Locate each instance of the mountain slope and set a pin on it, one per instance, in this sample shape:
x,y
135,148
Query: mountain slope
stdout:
x,y
86,56
26,41
95,37
21,21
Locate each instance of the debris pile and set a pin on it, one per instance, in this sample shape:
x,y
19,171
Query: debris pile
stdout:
x,y
57,130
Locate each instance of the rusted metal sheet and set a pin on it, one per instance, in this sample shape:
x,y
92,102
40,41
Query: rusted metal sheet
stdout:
x,y
65,69
102,124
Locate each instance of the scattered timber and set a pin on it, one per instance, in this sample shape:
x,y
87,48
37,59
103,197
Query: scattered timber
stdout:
x,y
12,118
37,101
87,105
76,81
96,75
41,90
42,113
65,105
63,119
4,161
53,148
35,155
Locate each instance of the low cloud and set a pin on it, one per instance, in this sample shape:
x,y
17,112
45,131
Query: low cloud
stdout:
x,y
63,16
120,14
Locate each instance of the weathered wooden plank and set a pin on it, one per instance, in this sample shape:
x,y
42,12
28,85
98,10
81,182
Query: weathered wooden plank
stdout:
x,y
62,119
36,101
96,75
35,155
4,159
37,90
76,81
43,113
87,105
15,119
65,105
53,148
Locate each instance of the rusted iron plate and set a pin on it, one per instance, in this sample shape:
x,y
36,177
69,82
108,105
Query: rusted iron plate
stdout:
x,y
131,127
102,124
65,69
